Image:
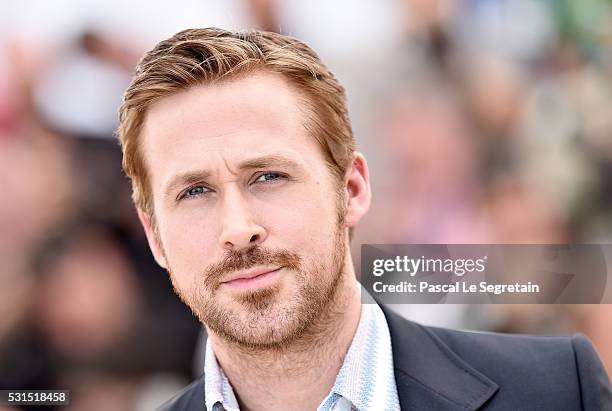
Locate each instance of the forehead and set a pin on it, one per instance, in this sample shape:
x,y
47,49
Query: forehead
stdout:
x,y
224,123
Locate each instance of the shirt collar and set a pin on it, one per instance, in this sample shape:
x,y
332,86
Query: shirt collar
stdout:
x,y
217,388
366,378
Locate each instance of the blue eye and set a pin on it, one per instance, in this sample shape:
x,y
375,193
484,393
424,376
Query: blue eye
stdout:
x,y
195,192
266,177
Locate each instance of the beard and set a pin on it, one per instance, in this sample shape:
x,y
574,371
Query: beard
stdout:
x,y
266,318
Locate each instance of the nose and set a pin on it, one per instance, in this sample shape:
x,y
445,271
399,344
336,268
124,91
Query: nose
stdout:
x,y
238,228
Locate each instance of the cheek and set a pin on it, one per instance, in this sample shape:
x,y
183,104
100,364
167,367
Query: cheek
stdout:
x,y
189,246
304,225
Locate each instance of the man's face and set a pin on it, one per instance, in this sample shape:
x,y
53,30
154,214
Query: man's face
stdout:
x,y
249,218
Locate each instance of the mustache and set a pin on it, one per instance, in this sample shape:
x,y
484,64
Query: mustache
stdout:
x,y
249,258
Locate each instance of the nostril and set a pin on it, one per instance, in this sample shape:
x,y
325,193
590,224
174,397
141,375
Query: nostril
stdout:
x,y
254,238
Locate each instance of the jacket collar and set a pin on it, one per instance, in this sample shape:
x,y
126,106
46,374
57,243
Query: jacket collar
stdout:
x,y
429,375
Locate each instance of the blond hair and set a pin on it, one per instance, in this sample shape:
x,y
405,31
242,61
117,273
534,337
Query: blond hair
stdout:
x,y
200,56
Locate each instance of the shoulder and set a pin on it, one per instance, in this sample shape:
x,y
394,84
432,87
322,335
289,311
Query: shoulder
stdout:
x,y
524,367
535,365
485,351
190,398
513,352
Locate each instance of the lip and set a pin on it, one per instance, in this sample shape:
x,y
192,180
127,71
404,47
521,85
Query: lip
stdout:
x,y
252,274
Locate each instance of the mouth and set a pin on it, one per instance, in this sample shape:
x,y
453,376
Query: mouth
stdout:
x,y
257,277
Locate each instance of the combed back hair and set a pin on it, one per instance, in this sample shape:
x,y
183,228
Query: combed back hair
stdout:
x,y
206,56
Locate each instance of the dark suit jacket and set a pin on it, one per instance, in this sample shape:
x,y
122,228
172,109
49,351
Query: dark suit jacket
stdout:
x,y
443,370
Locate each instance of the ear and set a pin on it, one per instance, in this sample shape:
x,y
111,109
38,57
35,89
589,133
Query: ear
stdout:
x,y
358,190
152,238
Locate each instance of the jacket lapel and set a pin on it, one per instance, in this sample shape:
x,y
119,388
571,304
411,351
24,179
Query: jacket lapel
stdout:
x,y
429,375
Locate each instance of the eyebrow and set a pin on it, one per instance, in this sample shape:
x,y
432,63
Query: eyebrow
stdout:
x,y
192,177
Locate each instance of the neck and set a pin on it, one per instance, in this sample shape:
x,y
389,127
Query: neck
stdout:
x,y
302,373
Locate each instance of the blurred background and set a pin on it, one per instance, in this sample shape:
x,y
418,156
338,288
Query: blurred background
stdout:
x,y
483,121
